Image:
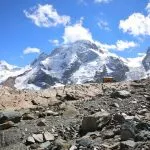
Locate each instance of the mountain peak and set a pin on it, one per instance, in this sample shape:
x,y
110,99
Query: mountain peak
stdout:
x,y
37,61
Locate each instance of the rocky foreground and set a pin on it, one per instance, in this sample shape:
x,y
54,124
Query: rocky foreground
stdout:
x,y
112,116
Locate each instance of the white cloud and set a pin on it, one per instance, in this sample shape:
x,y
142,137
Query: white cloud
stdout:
x,y
76,32
46,16
122,45
137,24
102,1
30,50
119,46
103,25
54,42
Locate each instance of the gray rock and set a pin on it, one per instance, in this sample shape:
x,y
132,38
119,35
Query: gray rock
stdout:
x,y
129,144
119,118
38,138
142,111
48,136
108,134
94,122
115,105
128,131
51,113
73,147
41,123
111,147
121,94
62,144
7,125
30,140
70,111
85,142
45,145
10,137
34,146
27,116
14,116
143,136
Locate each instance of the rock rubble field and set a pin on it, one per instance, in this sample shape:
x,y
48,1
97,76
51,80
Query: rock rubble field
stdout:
x,y
110,116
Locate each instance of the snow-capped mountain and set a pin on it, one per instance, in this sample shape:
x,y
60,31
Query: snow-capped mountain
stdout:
x,y
7,70
77,63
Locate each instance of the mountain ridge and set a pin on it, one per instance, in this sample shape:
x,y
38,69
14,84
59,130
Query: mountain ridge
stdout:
x,y
76,63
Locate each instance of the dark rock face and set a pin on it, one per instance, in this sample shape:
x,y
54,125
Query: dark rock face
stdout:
x,y
118,67
146,60
69,71
37,61
100,75
43,80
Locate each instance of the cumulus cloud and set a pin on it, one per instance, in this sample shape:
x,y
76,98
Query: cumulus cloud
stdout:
x,y
119,45
76,32
30,50
102,1
137,24
54,42
103,25
122,45
46,16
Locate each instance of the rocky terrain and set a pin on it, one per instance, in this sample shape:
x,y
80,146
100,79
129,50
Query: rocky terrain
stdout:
x,y
111,116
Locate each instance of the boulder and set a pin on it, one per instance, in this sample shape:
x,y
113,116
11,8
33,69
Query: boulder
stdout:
x,y
121,94
85,142
61,144
95,122
51,113
30,140
27,116
73,147
48,136
129,144
108,134
7,125
128,131
70,111
45,145
14,116
38,138
41,123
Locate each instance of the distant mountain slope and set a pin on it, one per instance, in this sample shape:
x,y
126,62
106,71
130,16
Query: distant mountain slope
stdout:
x,y
77,63
7,70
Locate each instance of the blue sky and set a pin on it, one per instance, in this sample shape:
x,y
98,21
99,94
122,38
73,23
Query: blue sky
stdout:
x,y
29,27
